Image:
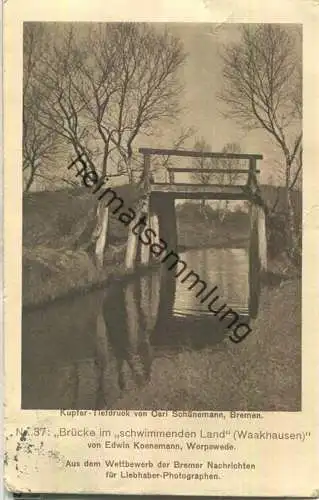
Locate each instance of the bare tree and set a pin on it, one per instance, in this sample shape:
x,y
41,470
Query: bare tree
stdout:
x,y
107,87
263,89
104,85
227,178
161,164
297,176
201,165
39,144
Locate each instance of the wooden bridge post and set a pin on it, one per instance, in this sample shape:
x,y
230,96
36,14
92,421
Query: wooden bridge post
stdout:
x,y
131,250
262,238
145,248
154,226
167,221
133,239
154,221
259,215
252,175
101,236
254,263
257,255
147,172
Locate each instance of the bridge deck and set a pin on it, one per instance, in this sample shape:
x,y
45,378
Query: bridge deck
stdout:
x,y
195,191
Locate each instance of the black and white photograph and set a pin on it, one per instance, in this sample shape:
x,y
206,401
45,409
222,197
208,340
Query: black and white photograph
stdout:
x,y
162,217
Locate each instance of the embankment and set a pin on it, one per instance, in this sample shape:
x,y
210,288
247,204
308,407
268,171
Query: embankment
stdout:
x,y
56,229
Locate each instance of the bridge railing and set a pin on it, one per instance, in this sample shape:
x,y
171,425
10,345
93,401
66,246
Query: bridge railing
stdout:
x,y
251,171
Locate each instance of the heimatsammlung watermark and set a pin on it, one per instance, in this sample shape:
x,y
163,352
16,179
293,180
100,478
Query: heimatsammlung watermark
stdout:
x,y
147,236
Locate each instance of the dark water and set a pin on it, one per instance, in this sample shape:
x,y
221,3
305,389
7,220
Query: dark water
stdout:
x,y
225,267
88,351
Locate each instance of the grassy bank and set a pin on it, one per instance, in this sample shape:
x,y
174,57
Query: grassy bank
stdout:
x,y
55,226
49,273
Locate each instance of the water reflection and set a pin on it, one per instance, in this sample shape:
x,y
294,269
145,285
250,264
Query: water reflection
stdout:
x,y
88,351
226,268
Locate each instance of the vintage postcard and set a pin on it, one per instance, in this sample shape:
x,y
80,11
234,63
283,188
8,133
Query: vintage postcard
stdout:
x,y
160,228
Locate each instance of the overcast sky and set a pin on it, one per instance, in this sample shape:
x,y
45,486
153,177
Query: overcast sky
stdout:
x,y
202,76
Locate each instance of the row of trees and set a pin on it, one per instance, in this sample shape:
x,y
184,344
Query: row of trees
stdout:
x,y
203,176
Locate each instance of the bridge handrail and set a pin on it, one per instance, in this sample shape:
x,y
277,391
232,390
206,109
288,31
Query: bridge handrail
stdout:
x,y
198,154
147,152
212,170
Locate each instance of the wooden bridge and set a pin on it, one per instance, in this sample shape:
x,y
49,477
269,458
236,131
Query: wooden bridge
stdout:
x,y
159,208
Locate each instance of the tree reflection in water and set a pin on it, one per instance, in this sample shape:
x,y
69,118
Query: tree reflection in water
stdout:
x,y
84,352
125,324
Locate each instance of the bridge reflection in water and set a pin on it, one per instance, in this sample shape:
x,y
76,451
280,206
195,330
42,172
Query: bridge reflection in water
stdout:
x,y
86,352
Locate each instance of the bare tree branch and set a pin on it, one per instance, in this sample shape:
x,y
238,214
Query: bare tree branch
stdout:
x,y
39,144
104,87
263,84
263,89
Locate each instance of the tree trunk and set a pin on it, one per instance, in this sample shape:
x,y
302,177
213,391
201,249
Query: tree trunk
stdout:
x,y
202,208
222,210
291,232
30,180
292,239
129,171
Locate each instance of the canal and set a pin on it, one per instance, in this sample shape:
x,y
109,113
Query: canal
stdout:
x,y
89,351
